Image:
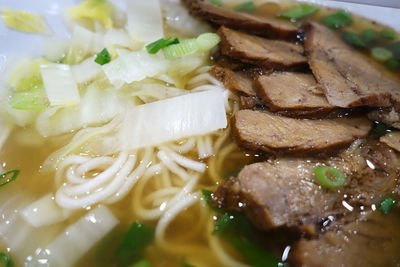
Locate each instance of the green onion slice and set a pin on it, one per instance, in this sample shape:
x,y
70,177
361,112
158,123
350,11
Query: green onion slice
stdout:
x,y
337,20
8,177
380,129
156,46
103,57
134,242
7,262
255,254
329,176
353,39
368,36
393,64
395,48
388,34
216,2
299,12
387,204
381,54
142,263
245,7
202,43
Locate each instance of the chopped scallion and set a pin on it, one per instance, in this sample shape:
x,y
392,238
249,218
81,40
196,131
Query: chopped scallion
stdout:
x,y
388,34
142,263
255,254
6,260
387,204
353,39
329,176
216,2
103,57
393,64
245,7
380,129
381,54
395,48
337,20
299,11
207,195
134,242
8,177
232,173
202,43
156,46
369,36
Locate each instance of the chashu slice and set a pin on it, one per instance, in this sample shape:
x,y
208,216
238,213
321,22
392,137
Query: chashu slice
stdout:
x,y
281,135
294,92
261,52
347,77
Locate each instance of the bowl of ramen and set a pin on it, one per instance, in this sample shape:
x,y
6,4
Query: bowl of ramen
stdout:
x,y
199,133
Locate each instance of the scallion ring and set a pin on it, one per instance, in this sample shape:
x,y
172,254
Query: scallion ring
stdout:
x,y
329,176
7,262
387,204
8,177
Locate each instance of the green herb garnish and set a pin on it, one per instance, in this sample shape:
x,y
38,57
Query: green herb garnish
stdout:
x,y
232,173
395,48
6,260
8,177
255,254
134,242
299,11
329,176
142,263
368,36
388,34
156,46
380,129
381,54
245,7
393,64
354,40
337,20
387,204
103,57
216,2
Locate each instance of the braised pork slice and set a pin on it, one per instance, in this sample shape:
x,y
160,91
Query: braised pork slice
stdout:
x,y
264,26
281,135
277,193
292,91
285,192
236,81
347,77
371,240
260,51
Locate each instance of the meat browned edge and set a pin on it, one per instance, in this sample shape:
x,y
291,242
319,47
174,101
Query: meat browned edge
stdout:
x,y
264,26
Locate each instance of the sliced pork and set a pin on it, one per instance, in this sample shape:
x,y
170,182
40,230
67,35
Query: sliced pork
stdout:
x,y
347,77
370,240
264,26
261,52
290,91
281,135
284,191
